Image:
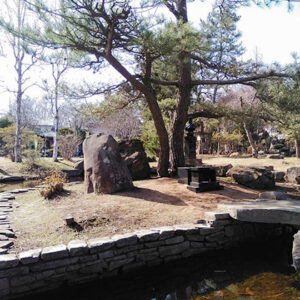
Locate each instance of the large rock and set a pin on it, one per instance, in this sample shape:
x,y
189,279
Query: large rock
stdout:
x,y
105,170
253,177
221,170
133,153
292,174
273,195
79,165
278,176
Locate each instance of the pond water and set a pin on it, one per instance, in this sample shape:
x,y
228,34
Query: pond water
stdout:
x,y
251,272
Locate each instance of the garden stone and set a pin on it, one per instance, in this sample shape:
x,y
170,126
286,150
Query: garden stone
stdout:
x,y
272,195
54,252
253,177
105,170
77,247
292,174
134,155
278,176
6,244
79,165
221,170
101,244
8,261
30,256
274,156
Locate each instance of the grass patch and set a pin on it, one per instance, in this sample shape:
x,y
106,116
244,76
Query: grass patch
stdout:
x,y
278,164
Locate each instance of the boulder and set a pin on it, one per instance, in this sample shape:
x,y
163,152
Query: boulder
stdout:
x,y
292,174
273,195
253,177
221,170
278,176
79,165
274,156
134,155
104,168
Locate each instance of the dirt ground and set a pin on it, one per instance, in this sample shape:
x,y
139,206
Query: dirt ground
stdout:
x,y
153,203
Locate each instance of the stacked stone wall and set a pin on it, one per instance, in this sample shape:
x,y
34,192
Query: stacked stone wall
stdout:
x,y
41,269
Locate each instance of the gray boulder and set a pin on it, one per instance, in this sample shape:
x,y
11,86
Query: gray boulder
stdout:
x,y
105,170
134,155
79,165
253,177
292,174
278,176
221,170
274,156
272,195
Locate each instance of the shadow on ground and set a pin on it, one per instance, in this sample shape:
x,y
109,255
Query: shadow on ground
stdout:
x,y
153,196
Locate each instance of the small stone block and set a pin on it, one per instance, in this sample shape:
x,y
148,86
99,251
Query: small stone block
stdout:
x,y
123,240
30,256
54,252
213,216
98,245
8,261
78,247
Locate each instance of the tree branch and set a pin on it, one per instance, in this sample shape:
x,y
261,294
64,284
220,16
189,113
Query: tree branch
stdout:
x,y
238,80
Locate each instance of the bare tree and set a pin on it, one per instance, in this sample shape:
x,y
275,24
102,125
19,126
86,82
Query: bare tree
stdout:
x,y
16,13
131,124
59,65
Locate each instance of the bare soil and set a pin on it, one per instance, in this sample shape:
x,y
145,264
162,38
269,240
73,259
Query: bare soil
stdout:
x,y
153,203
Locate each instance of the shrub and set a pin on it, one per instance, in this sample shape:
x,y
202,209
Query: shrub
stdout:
x,y
68,144
31,159
54,185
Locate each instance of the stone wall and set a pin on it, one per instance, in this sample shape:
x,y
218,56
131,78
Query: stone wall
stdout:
x,y
38,270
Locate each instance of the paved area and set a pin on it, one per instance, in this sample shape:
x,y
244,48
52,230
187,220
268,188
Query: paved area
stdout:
x,y
265,211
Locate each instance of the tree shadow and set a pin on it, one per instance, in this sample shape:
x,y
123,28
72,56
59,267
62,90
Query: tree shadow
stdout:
x,y
4,172
152,196
236,194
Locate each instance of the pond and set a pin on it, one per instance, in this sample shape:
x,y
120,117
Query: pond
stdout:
x,y
250,272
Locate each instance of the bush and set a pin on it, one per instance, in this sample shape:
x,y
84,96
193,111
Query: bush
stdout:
x,y
54,185
31,159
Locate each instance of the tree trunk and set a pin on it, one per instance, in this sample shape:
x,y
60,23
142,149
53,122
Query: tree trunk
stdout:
x,y
163,162
297,145
18,139
180,119
56,139
146,89
19,55
250,139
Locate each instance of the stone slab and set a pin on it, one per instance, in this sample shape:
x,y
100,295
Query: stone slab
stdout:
x,y
265,211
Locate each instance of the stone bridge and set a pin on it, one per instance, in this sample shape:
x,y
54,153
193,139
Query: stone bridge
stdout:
x,y
285,212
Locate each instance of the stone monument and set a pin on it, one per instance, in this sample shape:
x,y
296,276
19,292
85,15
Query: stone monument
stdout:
x,y
104,169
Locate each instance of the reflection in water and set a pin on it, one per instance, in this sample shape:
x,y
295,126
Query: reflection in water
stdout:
x,y
256,272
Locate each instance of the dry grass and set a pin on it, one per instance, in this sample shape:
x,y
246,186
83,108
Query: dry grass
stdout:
x,y
278,164
155,202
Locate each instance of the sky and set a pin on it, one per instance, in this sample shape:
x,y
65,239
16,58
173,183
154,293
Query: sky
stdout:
x,y
271,32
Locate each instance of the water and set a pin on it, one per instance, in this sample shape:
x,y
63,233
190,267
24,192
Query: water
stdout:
x,y
251,272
